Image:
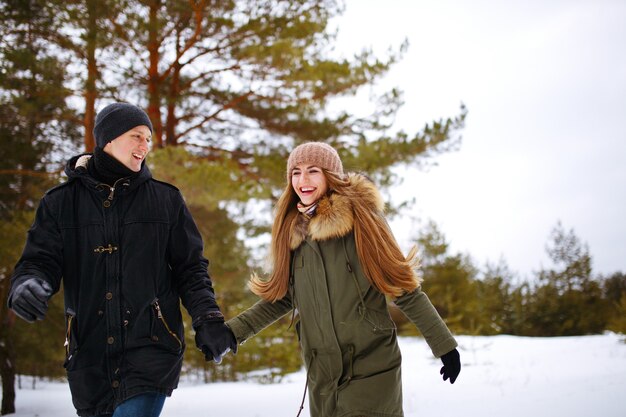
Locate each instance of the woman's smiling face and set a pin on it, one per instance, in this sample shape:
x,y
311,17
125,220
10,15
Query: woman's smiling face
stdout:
x,y
309,182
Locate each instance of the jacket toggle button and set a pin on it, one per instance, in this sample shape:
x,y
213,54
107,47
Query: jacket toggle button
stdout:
x,y
101,249
106,203
115,384
110,340
109,296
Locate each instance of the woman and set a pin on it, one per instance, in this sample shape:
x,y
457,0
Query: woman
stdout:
x,y
335,261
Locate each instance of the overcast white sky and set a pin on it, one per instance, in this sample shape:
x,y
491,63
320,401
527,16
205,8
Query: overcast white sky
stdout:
x,y
545,137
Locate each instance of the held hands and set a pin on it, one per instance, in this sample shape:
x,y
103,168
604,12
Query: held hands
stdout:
x,y
451,365
30,299
215,339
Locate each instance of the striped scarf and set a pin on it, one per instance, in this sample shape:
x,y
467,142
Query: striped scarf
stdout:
x,y
307,211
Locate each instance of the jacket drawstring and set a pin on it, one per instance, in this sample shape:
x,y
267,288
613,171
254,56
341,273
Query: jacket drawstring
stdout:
x,y
306,384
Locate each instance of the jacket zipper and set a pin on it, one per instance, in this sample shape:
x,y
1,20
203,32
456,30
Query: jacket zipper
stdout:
x,y
68,334
157,308
113,187
126,183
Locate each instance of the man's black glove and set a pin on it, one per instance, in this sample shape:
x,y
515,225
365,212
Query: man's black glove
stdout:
x,y
30,299
215,339
451,365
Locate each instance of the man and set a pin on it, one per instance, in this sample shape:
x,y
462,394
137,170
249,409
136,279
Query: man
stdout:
x,y
127,250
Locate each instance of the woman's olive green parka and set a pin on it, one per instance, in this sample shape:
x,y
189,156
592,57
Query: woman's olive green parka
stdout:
x,y
348,339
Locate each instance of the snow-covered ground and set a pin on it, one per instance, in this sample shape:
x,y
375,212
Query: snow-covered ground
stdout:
x,y
501,376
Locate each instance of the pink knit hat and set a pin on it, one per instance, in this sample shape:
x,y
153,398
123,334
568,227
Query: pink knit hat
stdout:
x,y
315,153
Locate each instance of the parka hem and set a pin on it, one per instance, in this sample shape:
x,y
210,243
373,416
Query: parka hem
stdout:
x,y
362,413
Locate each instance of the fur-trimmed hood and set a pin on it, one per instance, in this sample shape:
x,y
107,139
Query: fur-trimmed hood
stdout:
x,y
334,216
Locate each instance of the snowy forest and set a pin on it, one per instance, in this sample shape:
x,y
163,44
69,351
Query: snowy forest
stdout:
x,y
230,88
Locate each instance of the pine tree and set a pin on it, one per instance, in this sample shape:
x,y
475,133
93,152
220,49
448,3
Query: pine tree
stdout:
x,y
35,125
495,306
241,82
449,281
230,86
567,300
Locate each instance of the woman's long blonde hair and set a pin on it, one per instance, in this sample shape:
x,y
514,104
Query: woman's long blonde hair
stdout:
x,y
381,259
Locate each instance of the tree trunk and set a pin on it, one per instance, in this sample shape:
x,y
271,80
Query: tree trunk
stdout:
x,y
90,92
7,358
154,109
174,92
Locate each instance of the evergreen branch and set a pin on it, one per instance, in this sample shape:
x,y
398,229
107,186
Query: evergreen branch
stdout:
x,y
231,104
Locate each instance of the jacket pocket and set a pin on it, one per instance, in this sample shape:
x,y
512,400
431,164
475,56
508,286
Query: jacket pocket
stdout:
x,y
90,387
71,347
298,261
378,321
161,332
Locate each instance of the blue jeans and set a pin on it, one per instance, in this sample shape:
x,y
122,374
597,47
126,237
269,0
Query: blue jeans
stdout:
x,y
149,404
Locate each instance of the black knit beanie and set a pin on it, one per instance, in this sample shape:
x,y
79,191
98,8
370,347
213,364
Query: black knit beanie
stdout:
x,y
116,119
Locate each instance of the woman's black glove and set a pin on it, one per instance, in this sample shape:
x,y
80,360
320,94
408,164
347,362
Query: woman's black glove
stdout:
x,y
451,365
215,339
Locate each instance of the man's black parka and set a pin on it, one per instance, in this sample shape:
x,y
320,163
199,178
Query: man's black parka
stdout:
x,y
127,254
